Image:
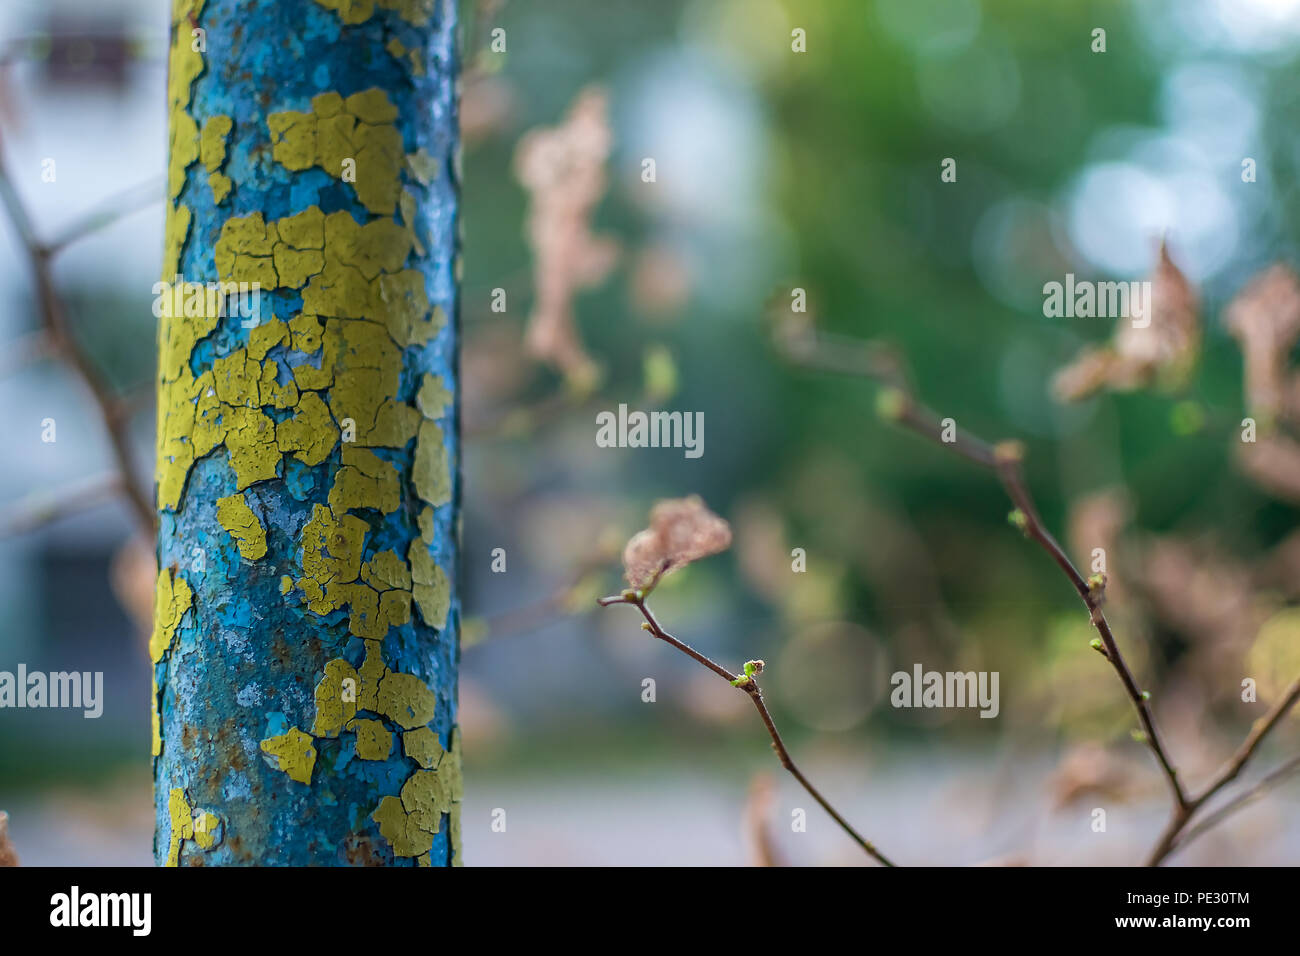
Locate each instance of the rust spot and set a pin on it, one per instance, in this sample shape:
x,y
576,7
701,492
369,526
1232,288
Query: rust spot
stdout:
x,y
361,850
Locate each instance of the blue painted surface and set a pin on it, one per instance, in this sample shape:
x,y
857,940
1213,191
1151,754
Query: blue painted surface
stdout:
x,y
245,660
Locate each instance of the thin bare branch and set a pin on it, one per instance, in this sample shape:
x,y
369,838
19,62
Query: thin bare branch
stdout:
x,y
749,685
54,323
132,200
1240,801
42,507
1006,460
1173,835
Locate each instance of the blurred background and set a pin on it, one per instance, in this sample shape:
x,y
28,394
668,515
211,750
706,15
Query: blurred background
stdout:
x,y
773,170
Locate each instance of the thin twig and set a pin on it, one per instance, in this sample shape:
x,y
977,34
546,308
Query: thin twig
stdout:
x,y
1243,799
535,615
128,201
750,687
54,322
1005,459
1170,838
42,507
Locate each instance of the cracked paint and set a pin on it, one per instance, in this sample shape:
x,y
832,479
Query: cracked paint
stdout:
x,y
293,752
237,518
307,457
410,821
352,139
212,153
415,12
203,827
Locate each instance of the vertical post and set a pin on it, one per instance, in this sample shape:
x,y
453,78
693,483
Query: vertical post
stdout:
x,y
305,642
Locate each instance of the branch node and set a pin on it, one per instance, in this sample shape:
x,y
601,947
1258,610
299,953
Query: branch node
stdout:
x,y
891,404
1009,452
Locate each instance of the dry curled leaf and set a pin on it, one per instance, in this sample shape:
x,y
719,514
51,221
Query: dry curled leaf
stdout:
x,y
1164,349
563,169
681,530
1265,319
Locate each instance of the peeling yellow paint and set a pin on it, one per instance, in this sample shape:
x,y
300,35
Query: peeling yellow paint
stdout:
x,y
244,249
174,233
212,142
204,827
432,471
238,518
425,798
414,12
434,398
310,435
265,337
172,598
406,700
331,555
306,331
426,525
397,828
182,824
372,671
409,822
221,185
386,570
336,698
332,545
422,166
374,740
338,131
346,271
430,587
423,746
207,830
155,721
295,753
184,66
365,481
212,153
454,836
223,407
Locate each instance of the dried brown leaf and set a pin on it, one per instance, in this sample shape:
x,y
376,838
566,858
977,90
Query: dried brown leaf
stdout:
x,y
1163,350
681,530
1265,319
563,169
